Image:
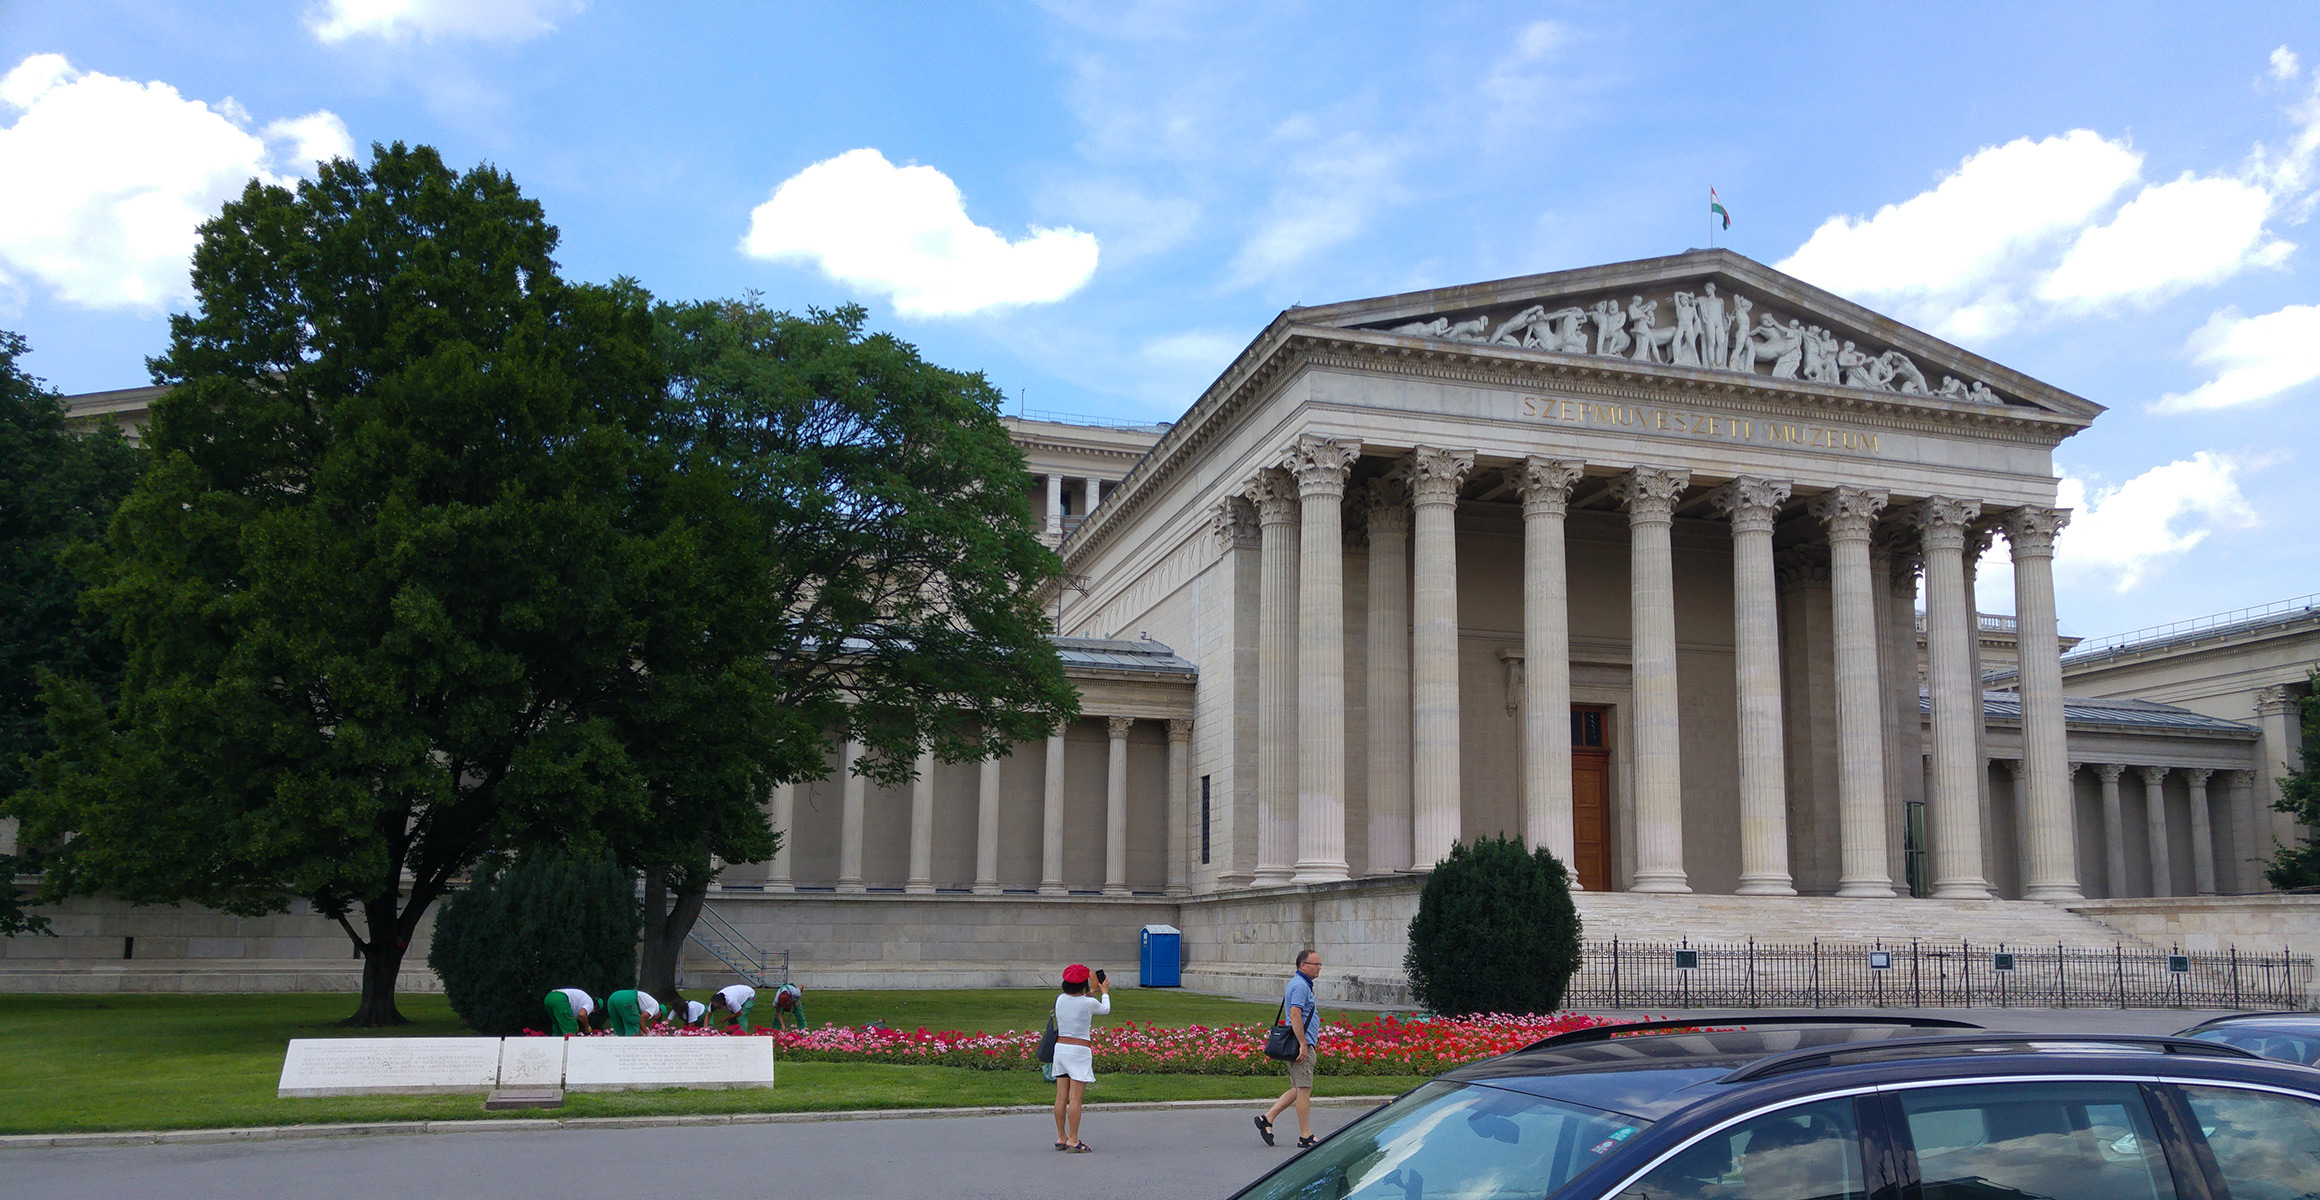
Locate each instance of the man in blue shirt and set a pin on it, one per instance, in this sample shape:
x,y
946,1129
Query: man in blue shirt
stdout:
x,y
1303,1015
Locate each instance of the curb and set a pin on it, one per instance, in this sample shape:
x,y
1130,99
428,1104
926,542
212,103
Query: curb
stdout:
x,y
270,1133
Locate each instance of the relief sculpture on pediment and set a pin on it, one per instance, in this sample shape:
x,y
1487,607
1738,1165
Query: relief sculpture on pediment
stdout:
x,y
1705,329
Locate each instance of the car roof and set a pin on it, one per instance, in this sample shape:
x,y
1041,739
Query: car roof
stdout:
x,y
2280,1020
1653,1070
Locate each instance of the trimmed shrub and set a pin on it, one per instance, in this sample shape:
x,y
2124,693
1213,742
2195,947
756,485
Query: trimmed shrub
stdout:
x,y
548,921
1496,932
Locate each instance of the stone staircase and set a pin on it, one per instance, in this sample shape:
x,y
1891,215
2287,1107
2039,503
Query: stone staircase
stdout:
x,y
1803,919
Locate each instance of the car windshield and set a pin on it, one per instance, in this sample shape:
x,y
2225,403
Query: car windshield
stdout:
x,y
1454,1140
2271,1041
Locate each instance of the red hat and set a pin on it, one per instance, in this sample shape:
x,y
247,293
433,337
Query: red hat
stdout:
x,y
1075,973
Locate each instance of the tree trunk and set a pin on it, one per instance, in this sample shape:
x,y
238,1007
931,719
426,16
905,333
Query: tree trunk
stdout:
x,y
382,958
666,926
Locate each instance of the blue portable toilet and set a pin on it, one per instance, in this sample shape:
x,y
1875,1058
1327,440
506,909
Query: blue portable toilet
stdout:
x,y
1161,963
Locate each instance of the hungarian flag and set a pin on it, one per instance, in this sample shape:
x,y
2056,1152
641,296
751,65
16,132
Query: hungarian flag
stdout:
x,y
1716,208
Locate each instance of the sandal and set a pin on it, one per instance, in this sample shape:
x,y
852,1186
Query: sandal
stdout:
x,y
1063,1145
1082,1148
1308,1142
1265,1130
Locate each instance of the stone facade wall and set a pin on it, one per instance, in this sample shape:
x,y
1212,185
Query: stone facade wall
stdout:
x,y
109,946
892,941
2267,923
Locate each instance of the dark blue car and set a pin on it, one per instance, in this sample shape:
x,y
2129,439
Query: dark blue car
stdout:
x,y
1833,1109
2287,1036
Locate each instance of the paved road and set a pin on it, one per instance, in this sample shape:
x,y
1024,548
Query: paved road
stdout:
x,y
1204,1153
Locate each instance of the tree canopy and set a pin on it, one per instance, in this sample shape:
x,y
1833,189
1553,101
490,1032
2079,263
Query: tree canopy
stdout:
x,y
2298,866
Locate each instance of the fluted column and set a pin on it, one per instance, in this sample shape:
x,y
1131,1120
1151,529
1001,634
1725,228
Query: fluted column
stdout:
x,y
2280,749
2013,769
2155,823
1275,495
2248,869
1389,677
1051,821
1754,504
1956,820
1116,810
1545,484
2050,819
1851,514
1054,505
1433,477
921,881
1650,495
777,872
1320,465
855,793
1978,537
2114,829
2202,833
1179,807
987,829
1904,726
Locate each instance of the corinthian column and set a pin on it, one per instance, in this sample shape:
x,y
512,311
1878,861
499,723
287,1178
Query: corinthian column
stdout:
x,y
1753,505
2247,869
921,881
1054,506
777,873
1389,676
1116,810
854,799
1650,495
1275,495
2276,709
1851,515
2155,823
2048,815
2202,833
1179,806
1051,821
987,829
1320,465
1545,484
1433,477
1956,819
2114,830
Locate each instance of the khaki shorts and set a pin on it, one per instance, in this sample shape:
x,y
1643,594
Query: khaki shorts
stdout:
x,y
1301,1072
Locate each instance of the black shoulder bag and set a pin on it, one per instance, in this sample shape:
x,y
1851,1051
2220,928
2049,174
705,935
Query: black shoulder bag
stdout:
x,y
1281,1043
1047,1041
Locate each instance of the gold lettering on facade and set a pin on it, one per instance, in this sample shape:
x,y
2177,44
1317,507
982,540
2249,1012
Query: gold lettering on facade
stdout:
x,y
1699,425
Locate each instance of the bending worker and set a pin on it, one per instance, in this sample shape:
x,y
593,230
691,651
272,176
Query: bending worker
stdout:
x,y
789,1001
568,1010
632,1010
733,1002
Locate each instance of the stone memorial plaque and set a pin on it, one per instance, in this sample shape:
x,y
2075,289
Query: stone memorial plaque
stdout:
x,y
613,1064
531,1062
388,1066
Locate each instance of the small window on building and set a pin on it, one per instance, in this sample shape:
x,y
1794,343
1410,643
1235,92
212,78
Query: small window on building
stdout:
x,y
1587,728
1204,820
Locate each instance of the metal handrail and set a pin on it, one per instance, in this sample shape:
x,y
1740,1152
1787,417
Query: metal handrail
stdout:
x,y
2117,642
713,933
1064,418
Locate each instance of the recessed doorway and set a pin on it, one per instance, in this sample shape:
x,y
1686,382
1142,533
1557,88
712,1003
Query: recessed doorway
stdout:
x,y
1591,796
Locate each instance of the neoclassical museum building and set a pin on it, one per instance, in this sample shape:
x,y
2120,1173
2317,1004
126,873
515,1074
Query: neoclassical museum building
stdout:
x,y
1668,566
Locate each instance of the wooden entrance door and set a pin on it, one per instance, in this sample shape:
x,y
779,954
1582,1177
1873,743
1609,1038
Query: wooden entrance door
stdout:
x,y
1591,797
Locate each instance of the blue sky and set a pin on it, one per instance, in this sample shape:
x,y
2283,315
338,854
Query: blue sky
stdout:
x,y
1099,204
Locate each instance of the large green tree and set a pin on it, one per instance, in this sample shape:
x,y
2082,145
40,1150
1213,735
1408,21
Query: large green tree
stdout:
x,y
874,514
2298,866
58,487
382,587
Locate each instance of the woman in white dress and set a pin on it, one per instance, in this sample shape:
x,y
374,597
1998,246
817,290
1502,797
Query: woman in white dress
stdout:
x,y
1076,1009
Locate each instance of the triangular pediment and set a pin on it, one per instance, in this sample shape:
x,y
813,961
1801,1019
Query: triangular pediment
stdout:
x,y
1704,310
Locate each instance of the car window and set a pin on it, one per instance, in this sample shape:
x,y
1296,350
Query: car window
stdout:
x,y
1449,1141
2271,1043
1808,1152
2061,1141
2267,1145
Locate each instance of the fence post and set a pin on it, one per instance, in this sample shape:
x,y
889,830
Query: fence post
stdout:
x,y
2119,963
1816,975
2173,950
1615,974
1966,970
2061,977
1916,980
1752,973
2235,1001
1686,976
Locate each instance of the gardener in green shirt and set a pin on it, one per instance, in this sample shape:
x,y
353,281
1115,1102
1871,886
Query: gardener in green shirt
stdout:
x,y
733,1003
789,1001
632,1011
568,1010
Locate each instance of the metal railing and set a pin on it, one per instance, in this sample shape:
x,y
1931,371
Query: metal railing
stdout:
x,y
2174,630
1064,418
759,968
1829,974
1989,622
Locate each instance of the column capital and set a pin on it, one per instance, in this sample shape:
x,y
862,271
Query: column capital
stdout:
x,y
1545,484
1386,504
1320,463
2011,766
1978,537
2152,776
2109,772
1941,521
1849,512
1179,729
1800,567
1353,529
2275,701
1234,524
2198,775
1650,492
1121,725
2030,530
1752,503
1434,475
1274,493
2241,777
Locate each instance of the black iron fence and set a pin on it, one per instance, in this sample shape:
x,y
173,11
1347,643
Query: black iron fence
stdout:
x,y
1829,974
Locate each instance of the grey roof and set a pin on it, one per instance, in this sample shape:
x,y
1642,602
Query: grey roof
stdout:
x,y
1120,654
2089,710
2198,629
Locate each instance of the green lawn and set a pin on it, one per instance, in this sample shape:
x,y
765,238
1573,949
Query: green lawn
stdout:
x,y
87,1063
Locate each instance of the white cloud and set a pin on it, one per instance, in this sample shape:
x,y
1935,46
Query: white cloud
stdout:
x,y
2284,64
2128,531
1328,198
128,172
2256,358
2174,235
399,20
1203,349
903,232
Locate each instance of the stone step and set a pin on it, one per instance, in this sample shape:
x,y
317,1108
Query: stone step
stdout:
x,y
1802,919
